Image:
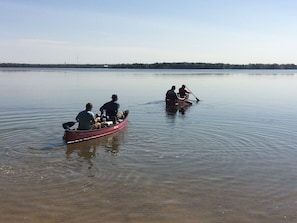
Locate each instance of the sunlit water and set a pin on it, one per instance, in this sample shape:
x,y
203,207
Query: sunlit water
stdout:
x,y
229,158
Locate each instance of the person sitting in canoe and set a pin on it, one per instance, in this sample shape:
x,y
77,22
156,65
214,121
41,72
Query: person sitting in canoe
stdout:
x,y
86,118
183,92
171,97
111,109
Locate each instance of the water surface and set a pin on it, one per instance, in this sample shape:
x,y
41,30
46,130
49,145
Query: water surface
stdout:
x,y
229,158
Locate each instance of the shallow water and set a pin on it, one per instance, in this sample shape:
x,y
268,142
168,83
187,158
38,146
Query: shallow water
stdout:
x,y
229,158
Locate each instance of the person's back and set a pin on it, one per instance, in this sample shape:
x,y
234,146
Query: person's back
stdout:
x,y
85,118
111,108
171,95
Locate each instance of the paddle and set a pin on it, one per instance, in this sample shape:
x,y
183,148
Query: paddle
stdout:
x,y
193,94
68,125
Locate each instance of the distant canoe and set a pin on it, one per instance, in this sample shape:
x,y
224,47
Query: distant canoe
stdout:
x,y
73,135
180,103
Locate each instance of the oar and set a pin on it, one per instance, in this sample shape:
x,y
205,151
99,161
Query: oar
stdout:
x,y
193,94
68,125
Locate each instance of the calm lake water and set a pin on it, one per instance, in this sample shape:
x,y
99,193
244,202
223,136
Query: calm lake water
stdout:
x,y
229,158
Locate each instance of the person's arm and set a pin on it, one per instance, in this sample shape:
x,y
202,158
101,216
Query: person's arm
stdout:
x,y
188,91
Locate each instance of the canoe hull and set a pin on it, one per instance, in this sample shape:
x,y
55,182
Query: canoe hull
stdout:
x,y
74,136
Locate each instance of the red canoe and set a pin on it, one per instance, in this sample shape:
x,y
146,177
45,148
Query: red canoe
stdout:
x,y
73,136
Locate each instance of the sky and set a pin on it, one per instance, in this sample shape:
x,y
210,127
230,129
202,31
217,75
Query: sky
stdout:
x,y
148,31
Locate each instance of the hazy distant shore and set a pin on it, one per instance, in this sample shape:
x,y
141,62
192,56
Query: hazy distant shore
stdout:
x,y
182,65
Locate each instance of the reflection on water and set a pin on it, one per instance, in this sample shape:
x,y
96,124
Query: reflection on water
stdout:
x,y
88,150
112,145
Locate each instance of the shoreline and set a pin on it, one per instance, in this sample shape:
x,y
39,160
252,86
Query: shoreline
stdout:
x,y
182,65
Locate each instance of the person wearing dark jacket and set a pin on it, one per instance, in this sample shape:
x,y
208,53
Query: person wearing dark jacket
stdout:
x,y
111,109
171,97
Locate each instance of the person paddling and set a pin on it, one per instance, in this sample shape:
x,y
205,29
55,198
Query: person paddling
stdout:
x,y
183,92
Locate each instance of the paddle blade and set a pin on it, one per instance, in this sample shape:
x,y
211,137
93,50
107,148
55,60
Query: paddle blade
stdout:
x,y
68,125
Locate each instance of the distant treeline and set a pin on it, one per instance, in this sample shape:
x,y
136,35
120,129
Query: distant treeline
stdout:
x,y
156,66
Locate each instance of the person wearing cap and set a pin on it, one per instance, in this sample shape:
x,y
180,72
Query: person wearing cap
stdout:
x,y
111,108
